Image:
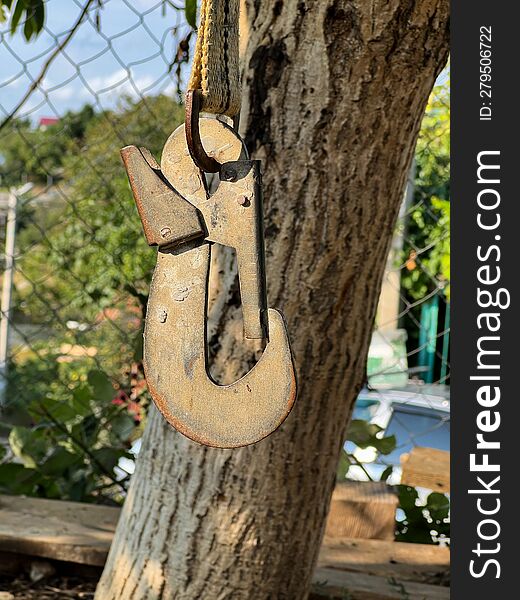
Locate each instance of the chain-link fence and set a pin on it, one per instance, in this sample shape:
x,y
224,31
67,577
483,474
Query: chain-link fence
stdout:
x,y
103,75
406,402
107,74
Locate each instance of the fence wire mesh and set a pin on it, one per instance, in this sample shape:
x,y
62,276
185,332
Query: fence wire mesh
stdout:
x,y
107,74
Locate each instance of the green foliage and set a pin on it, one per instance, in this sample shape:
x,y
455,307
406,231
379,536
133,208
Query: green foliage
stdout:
x,y
425,259
29,13
77,398
427,254
97,253
190,11
40,153
422,523
433,227
364,435
69,438
425,523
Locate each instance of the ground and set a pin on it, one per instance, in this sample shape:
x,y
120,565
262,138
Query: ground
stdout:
x,y
54,588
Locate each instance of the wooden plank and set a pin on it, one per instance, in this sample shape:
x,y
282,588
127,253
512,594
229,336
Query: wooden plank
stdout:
x,y
331,583
362,509
428,468
407,562
68,531
366,569
51,528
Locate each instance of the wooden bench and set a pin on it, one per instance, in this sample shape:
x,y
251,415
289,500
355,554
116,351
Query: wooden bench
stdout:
x,y
347,568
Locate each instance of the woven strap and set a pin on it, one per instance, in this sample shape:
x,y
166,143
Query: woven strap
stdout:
x,y
215,68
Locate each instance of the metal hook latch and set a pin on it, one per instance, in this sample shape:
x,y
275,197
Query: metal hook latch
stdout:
x,y
183,220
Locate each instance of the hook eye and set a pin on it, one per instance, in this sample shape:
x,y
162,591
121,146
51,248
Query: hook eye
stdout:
x,y
199,156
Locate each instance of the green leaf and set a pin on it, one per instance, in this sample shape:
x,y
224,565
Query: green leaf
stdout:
x,y
81,400
362,433
438,505
39,16
415,535
89,428
343,466
191,13
9,473
386,445
109,457
138,348
386,473
62,411
16,479
34,16
48,487
77,491
102,387
17,14
366,435
59,461
122,427
28,28
408,497
421,521
28,445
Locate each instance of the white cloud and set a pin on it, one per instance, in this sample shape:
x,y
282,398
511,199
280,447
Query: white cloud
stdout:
x,y
120,82
64,93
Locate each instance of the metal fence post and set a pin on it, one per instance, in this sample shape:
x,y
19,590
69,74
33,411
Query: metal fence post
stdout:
x,y
7,283
7,286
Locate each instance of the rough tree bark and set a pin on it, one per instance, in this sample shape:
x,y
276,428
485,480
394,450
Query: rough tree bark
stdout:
x,y
335,91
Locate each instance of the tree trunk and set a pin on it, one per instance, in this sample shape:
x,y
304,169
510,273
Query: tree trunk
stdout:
x,y
335,92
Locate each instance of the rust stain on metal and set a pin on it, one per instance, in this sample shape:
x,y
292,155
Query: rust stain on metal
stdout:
x,y
202,159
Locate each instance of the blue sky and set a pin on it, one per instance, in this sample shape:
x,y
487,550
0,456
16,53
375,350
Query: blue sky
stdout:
x,y
130,55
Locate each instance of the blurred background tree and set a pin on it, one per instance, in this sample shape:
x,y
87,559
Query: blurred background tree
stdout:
x,y
425,278
70,420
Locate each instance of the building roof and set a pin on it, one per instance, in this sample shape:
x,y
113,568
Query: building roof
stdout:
x,y
45,121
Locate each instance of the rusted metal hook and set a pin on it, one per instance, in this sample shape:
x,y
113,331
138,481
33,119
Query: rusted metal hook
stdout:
x,y
197,152
184,222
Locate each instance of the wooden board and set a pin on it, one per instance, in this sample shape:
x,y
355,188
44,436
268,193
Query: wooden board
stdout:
x,y
428,468
407,562
332,583
54,529
362,509
365,569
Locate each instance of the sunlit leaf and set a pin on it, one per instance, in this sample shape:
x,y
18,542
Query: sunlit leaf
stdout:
x,y
28,445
